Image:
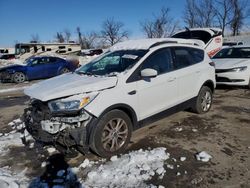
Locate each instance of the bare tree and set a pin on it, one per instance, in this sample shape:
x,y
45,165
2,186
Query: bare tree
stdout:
x,y
199,13
190,14
67,35
89,40
224,13
79,33
160,26
113,32
240,12
35,38
59,37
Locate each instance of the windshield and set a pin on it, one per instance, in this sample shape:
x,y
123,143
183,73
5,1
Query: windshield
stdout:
x,y
233,53
112,62
28,61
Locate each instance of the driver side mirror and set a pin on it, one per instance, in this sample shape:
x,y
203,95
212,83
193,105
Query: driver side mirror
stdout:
x,y
149,73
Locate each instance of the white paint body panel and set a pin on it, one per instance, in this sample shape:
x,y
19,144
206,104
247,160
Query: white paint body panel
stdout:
x,y
229,63
68,84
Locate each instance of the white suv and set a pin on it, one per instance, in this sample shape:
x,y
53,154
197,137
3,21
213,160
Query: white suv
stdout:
x,y
133,84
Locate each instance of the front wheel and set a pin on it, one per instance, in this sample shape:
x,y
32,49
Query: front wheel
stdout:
x,y
112,134
249,84
203,101
64,70
19,77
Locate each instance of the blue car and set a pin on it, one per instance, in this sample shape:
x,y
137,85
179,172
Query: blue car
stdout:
x,y
37,68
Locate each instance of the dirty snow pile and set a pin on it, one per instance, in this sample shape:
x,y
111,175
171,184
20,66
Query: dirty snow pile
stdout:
x,y
203,156
12,180
11,138
129,170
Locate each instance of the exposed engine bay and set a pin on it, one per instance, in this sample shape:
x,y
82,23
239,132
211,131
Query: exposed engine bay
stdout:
x,y
58,129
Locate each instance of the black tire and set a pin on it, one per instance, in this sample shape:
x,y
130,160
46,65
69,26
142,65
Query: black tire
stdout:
x,y
249,84
18,77
107,138
204,101
64,70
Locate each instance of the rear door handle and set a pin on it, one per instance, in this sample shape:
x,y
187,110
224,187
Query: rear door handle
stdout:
x,y
171,79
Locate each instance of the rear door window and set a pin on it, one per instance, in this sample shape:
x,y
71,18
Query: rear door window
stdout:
x,y
185,57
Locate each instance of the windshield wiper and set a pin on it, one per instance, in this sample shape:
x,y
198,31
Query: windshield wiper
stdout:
x,y
112,74
86,73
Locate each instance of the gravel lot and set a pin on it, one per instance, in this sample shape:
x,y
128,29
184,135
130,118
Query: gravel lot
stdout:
x,y
223,133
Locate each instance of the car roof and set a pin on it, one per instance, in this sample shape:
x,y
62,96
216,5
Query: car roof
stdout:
x,y
46,57
145,44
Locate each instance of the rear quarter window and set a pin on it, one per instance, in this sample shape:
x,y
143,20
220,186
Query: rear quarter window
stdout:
x,y
198,55
185,56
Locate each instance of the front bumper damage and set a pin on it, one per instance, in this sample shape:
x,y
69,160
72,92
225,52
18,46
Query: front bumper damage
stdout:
x,y
5,76
64,131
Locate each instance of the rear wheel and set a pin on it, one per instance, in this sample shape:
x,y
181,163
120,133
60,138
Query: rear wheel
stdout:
x,y
203,101
19,77
112,134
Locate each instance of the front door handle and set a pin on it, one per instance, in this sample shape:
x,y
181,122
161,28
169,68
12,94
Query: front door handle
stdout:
x,y
132,92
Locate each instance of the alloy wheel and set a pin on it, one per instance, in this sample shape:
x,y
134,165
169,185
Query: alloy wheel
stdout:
x,y
114,135
206,101
19,77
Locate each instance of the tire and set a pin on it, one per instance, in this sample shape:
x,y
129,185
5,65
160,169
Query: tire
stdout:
x,y
204,101
249,84
64,70
19,77
112,133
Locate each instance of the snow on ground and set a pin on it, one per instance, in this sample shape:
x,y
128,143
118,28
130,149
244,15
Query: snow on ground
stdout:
x,y
6,140
129,170
9,179
16,88
133,169
203,156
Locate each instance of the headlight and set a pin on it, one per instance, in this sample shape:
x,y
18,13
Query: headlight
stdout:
x,y
238,69
72,103
10,71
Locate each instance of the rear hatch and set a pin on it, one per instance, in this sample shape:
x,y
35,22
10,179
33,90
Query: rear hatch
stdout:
x,y
208,38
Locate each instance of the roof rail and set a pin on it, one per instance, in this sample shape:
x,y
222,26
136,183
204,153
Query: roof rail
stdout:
x,y
177,41
163,42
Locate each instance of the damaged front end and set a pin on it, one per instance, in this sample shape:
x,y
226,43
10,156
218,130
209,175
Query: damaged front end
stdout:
x,y
63,129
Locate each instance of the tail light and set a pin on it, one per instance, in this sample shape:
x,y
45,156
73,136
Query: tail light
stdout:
x,y
212,64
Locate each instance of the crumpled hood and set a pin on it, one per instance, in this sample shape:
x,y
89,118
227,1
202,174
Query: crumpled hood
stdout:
x,y
67,85
230,63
